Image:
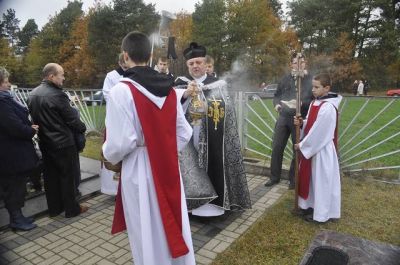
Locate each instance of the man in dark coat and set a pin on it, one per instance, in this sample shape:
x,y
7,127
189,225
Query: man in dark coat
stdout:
x,y
58,121
285,105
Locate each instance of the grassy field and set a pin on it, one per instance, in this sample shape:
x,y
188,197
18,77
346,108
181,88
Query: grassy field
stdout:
x,y
369,210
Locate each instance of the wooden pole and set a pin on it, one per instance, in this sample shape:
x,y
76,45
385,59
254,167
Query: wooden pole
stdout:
x,y
299,75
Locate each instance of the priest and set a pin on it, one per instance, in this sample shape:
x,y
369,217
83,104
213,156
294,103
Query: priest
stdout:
x,y
145,129
211,164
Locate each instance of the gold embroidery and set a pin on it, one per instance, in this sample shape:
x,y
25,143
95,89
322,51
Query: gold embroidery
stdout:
x,y
216,112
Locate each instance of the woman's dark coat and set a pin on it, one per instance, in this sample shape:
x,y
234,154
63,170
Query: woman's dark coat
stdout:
x,y
17,153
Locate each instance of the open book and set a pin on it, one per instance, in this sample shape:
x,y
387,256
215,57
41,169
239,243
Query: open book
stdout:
x,y
291,104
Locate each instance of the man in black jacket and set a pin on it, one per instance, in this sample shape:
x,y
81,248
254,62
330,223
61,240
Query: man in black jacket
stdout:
x,y
284,102
58,121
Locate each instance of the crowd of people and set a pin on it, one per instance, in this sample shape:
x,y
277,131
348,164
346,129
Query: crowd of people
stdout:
x,y
177,143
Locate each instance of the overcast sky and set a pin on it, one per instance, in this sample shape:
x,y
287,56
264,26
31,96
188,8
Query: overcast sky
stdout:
x,y
40,10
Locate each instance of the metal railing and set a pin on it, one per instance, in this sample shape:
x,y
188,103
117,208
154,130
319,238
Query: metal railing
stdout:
x,y
369,134
89,102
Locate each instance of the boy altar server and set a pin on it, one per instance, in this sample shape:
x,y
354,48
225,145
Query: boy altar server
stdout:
x,y
145,129
319,175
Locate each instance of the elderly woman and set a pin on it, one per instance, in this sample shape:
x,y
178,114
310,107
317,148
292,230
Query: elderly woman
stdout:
x,y
17,155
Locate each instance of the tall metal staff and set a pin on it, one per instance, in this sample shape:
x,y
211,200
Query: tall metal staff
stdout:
x,y
299,75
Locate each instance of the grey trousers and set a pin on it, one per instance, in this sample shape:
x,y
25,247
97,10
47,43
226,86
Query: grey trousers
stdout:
x,y
284,128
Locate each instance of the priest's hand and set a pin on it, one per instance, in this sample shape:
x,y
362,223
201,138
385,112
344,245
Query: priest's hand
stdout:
x,y
296,147
191,90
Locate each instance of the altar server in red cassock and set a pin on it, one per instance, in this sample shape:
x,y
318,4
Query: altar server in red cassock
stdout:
x,y
319,174
145,129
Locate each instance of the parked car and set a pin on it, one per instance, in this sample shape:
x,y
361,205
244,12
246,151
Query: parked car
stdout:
x,y
269,90
95,99
393,92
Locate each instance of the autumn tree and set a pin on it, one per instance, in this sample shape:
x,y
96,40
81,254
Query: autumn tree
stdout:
x,y
76,57
345,67
182,29
58,29
255,37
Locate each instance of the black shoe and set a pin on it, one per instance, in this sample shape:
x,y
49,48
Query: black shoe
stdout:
x,y
270,183
302,212
82,209
309,218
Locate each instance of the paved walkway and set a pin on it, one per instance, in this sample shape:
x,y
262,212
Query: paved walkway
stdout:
x,y
86,239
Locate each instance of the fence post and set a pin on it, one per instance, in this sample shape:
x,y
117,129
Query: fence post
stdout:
x,y
240,117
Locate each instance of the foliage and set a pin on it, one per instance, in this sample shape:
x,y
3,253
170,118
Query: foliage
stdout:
x,y
344,64
210,29
33,64
276,7
10,26
45,47
360,41
76,57
108,25
371,25
254,36
29,31
181,29
57,30
7,58
101,37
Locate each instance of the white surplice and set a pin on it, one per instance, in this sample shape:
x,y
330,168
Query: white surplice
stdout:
x,y
125,141
109,184
324,194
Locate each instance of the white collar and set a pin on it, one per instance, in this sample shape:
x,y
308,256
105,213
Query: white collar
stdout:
x,y
200,79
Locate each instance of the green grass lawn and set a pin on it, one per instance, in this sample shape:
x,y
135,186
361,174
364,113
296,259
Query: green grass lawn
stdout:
x,y
369,210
